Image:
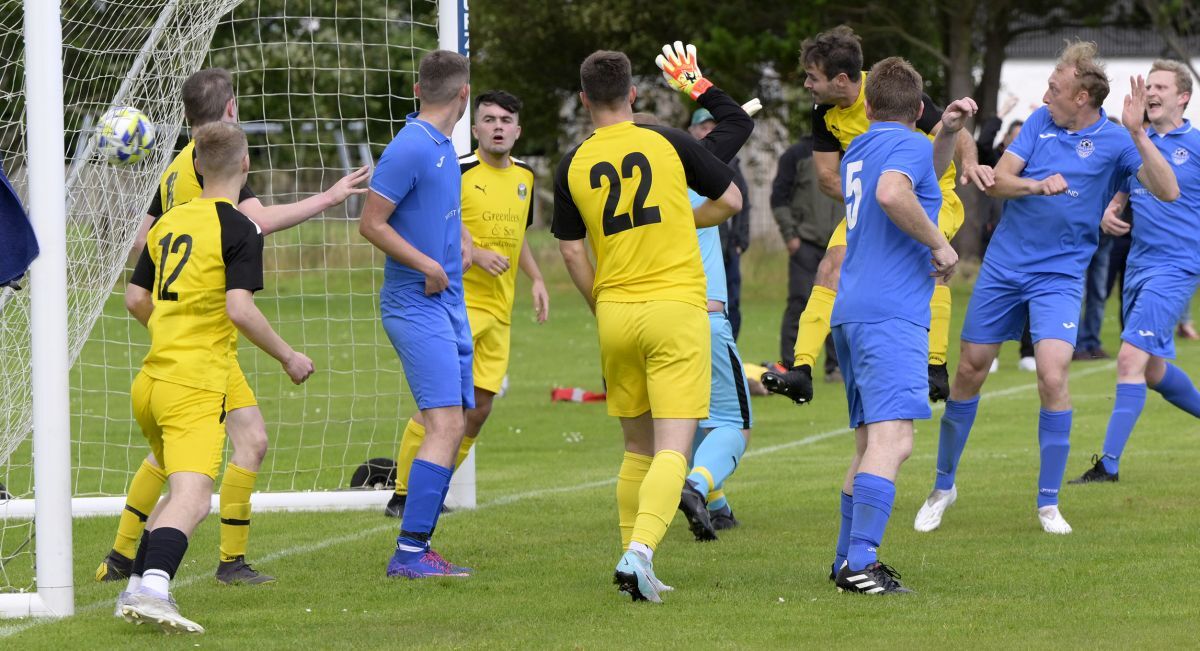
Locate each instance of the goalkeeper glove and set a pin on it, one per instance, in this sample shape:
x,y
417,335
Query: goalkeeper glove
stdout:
x,y
679,68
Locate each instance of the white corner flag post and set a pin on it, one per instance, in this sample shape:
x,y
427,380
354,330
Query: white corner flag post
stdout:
x,y
452,35
55,594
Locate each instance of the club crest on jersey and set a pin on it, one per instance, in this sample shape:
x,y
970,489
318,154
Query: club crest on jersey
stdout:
x,y
1085,148
522,191
1179,156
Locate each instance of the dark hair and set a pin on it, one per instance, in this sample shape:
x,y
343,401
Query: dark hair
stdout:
x,y
833,52
894,90
220,148
205,94
501,98
441,75
606,77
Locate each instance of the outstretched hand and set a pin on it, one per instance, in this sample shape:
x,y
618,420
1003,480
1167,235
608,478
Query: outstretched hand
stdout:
x,y
348,185
679,68
1134,113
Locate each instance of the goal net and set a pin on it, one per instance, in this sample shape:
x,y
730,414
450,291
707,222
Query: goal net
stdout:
x,y
322,86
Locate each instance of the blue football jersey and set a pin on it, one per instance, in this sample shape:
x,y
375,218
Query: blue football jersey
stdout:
x,y
419,173
886,272
1169,232
711,256
1059,234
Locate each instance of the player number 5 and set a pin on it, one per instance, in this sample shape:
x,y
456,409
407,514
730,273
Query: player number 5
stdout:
x,y
853,192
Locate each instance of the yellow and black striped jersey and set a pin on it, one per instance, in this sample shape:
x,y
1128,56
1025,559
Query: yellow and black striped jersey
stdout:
x,y
497,207
834,128
625,187
180,183
195,253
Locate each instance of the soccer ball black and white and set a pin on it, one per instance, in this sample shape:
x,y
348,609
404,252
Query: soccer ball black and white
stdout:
x,y
124,135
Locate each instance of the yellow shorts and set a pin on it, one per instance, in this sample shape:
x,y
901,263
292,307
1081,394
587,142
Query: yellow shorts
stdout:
x,y
950,219
238,392
656,357
491,339
185,426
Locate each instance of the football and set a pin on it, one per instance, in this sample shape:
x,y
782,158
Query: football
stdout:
x,y
124,135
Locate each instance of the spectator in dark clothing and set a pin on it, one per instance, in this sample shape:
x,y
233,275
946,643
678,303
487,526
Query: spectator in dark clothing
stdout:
x,y
806,218
735,231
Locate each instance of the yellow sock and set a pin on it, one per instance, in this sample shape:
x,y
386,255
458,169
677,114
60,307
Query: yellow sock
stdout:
x,y
939,324
464,449
236,486
144,490
629,481
414,435
716,495
814,325
658,498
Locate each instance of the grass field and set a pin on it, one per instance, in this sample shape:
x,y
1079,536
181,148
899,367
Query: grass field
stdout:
x,y
544,540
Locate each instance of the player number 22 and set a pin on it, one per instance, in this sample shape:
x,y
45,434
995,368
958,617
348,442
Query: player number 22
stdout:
x,y
642,214
853,192
184,242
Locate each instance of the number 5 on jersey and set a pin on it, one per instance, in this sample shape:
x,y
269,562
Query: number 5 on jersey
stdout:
x,y
853,192
642,214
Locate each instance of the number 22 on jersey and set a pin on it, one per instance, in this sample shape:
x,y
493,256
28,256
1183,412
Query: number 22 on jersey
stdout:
x,y
641,213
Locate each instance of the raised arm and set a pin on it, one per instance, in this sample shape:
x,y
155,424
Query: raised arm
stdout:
x,y
1155,173
272,219
713,212
1009,184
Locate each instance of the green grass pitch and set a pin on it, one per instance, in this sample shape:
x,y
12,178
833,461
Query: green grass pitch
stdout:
x,y
544,540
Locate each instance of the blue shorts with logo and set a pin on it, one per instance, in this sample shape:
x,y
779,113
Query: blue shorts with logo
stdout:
x,y
433,339
1151,302
1004,298
729,403
885,369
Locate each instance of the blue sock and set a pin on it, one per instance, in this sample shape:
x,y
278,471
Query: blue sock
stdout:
x,y
1054,437
1178,389
956,427
1128,406
427,484
719,454
873,498
843,541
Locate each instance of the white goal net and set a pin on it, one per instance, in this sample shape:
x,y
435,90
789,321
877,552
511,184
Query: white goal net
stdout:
x,y
322,87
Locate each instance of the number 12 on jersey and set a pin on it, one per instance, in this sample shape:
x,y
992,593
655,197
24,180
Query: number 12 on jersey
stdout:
x,y
853,192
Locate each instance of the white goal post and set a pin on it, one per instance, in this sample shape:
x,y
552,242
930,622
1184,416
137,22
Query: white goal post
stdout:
x,y
58,332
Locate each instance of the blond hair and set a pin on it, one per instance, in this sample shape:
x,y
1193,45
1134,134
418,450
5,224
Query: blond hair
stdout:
x,y
220,148
1183,77
1089,72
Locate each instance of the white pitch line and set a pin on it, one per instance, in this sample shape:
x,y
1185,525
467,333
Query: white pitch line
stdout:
x,y
7,631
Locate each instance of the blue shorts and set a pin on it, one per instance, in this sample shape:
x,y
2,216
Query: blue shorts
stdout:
x,y
729,403
1003,299
433,339
885,369
1152,301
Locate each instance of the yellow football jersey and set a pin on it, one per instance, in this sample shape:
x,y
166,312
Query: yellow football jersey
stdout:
x,y
834,128
195,253
180,183
497,207
625,188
